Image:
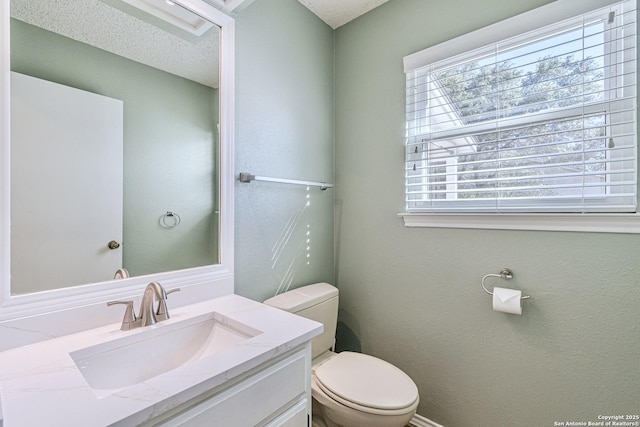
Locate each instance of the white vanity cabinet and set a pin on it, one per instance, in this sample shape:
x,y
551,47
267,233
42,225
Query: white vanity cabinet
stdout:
x,y
262,380
276,393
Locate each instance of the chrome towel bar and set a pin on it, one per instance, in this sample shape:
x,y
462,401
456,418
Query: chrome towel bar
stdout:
x,y
247,177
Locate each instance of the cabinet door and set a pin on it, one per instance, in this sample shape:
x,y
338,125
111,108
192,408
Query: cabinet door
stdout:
x,y
254,400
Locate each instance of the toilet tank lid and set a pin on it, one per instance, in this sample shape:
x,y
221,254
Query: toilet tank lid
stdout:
x,y
303,297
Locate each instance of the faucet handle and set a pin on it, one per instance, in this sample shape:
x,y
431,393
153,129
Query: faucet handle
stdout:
x,y
129,315
163,312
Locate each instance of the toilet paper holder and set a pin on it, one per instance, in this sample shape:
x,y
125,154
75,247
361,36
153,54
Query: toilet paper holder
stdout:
x,y
505,274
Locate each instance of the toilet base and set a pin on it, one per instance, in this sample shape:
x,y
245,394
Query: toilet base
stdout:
x,y
316,421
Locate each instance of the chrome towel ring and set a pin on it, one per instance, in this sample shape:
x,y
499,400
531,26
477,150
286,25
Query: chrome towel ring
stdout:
x,y
169,220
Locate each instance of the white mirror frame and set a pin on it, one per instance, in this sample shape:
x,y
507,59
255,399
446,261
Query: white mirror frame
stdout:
x,y
196,284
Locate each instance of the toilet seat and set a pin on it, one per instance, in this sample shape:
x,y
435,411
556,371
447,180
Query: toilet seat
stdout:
x,y
366,383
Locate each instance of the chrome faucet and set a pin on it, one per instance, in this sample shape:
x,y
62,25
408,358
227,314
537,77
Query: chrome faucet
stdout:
x,y
148,314
153,291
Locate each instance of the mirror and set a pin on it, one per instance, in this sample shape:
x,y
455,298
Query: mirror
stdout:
x,y
85,203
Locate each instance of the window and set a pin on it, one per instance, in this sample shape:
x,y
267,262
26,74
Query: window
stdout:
x,y
540,121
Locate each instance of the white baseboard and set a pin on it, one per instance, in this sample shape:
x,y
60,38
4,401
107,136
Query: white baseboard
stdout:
x,y
420,421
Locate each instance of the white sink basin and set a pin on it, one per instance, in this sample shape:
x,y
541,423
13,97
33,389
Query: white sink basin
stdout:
x,y
144,353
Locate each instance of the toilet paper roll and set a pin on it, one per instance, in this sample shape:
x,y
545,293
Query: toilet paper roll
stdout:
x,y
507,300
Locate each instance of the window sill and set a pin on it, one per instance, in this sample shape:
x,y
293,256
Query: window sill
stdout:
x,y
591,223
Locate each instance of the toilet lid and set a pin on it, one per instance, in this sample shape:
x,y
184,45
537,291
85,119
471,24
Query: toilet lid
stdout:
x,y
366,381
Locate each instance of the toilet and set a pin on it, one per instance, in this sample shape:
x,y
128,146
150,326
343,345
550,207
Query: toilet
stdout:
x,y
348,389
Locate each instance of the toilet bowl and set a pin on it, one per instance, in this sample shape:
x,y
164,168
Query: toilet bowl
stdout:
x,y
358,390
348,389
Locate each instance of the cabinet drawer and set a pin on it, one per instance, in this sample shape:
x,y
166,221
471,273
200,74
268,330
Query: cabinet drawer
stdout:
x,y
251,401
296,416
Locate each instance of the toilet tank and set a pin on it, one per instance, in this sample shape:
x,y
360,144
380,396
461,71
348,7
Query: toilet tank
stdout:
x,y
317,302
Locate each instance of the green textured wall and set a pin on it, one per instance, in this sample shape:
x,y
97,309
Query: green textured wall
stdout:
x,y
284,122
413,296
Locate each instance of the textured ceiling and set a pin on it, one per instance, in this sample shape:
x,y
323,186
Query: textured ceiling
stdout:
x,y
339,12
140,37
116,27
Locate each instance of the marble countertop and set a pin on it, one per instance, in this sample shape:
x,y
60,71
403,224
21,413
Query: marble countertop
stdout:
x,y
41,385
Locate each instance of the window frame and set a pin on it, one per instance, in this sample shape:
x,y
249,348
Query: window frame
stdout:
x,y
528,22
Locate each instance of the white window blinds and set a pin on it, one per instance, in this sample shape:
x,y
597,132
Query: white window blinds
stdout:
x,y
540,122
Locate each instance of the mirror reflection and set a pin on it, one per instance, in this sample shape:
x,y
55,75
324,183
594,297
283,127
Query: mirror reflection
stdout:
x,y
114,141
